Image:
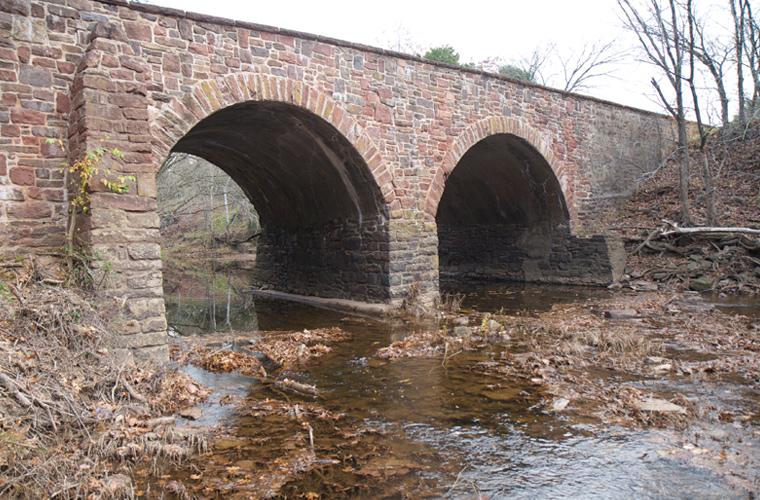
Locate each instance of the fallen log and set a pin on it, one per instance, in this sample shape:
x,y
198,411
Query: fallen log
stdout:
x,y
710,230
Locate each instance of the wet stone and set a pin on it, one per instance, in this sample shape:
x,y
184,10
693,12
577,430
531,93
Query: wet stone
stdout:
x,y
655,405
461,332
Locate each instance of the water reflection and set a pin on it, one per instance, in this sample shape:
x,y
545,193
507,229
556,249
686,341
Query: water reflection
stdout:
x,y
488,436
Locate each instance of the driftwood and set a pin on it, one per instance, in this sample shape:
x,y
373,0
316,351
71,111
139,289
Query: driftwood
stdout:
x,y
738,235
291,385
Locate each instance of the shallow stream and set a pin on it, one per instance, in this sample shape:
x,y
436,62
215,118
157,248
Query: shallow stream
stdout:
x,y
452,433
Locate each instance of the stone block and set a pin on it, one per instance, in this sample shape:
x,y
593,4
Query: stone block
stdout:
x,y
157,324
17,7
11,193
29,210
145,308
142,340
152,280
156,355
146,220
35,76
144,251
130,327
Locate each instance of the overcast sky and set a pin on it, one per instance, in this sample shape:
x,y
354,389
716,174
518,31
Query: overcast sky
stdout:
x,y
476,29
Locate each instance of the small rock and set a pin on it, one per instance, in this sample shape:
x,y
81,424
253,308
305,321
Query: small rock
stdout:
x,y
463,332
701,284
659,405
493,326
560,404
643,286
621,314
191,413
665,367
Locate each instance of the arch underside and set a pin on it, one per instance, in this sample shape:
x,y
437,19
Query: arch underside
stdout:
x,y
324,224
502,215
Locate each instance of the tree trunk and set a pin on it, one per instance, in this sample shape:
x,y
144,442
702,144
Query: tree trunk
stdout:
x,y
739,47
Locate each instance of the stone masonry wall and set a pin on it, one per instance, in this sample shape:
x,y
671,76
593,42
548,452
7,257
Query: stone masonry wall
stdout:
x,y
339,260
143,76
498,253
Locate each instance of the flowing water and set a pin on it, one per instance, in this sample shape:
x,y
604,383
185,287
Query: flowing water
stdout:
x,y
454,433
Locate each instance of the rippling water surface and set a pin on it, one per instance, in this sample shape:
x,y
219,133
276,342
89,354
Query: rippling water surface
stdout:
x,y
481,440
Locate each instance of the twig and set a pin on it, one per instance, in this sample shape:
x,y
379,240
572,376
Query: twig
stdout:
x,y
459,478
287,384
132,392
11,386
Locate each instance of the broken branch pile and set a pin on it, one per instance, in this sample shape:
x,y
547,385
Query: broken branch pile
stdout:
x,y
69,414
703,258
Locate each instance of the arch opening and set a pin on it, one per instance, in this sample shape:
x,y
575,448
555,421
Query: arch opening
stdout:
x,y
324,229
502,216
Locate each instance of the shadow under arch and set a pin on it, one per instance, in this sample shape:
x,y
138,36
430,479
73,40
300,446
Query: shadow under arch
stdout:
x,y
324,219
502,215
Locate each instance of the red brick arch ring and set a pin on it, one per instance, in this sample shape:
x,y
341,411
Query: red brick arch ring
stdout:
x,y
485,128
171,120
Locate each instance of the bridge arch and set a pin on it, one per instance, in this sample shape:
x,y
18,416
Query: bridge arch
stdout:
x,y
495,126
306,166
502,213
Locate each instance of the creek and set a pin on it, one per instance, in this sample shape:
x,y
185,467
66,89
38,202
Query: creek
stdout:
x,y
445,430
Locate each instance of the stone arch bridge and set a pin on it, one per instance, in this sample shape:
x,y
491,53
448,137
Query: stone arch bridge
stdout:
x,y
375,173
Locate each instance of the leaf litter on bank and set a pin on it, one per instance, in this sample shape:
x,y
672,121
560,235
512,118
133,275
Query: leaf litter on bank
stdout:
x,y
74,420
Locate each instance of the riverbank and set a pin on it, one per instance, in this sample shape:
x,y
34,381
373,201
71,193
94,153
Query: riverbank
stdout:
x,y
662,365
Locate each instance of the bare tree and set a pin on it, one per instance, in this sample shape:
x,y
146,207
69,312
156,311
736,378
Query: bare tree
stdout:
x,y
659,30
190,186
738,14
399,39
714,56
529,68
592,61
752,51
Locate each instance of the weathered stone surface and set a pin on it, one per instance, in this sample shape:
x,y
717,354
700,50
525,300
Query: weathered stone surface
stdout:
x,y
655,405
144,251
145,308
158,354
35,76
701,284
461,332
142,340
18,7
29,210
157,324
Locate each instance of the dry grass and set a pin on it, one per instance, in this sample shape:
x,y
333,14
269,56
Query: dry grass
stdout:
x,y
70,416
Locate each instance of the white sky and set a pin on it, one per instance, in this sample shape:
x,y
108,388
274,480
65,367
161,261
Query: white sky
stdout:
x,y
476,29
